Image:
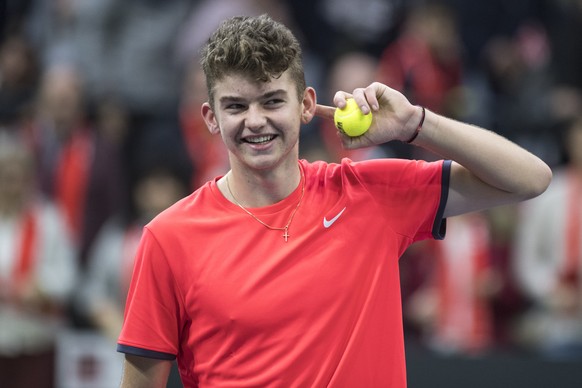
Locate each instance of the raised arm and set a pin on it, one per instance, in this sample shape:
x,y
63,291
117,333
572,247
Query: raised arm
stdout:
x,y
487,170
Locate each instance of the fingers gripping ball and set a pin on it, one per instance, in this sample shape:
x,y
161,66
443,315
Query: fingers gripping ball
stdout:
x,y
350,120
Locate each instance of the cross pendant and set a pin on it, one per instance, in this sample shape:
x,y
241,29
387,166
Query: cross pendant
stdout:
x,y
286,234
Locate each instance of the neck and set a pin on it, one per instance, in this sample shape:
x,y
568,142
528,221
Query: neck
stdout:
x,y
261,189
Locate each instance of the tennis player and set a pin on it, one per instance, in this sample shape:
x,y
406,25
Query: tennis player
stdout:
x,y
283,272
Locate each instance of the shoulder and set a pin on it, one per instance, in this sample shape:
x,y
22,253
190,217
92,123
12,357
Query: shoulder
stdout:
x,y
383,164
392,169
386,177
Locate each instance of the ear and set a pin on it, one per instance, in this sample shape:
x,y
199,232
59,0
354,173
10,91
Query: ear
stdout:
x,y
308,106
210,118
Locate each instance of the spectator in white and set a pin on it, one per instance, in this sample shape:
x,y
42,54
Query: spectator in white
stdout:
x,y
37,272
548,258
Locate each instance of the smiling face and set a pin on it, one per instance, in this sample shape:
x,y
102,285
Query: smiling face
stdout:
x,y
259,121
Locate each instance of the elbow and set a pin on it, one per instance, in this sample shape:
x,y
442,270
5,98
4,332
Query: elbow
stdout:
x,y
539,182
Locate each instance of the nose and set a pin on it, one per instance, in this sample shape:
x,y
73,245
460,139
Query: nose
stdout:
x,y
255,118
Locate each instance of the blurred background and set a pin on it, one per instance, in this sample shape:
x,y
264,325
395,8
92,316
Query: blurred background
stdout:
x,y
100,130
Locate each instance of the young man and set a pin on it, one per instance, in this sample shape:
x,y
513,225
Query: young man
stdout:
x,y
284,273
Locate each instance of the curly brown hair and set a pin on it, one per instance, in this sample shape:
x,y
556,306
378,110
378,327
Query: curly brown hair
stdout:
x,y
257,47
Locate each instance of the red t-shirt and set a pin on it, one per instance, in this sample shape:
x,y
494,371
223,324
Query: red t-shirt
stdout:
x,y
239,306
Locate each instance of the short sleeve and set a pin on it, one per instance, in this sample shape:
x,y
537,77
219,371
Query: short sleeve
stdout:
x,y
412,194
153,311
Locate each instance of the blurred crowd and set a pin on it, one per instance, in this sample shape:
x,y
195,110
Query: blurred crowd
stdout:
x,y
100,130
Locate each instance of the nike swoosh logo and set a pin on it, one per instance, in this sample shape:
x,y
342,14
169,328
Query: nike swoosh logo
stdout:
x,y
327,224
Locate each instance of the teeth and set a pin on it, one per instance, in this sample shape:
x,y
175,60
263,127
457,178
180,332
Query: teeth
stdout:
x,y
260,139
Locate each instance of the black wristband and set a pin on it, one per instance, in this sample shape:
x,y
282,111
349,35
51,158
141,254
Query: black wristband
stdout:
x,y
419,126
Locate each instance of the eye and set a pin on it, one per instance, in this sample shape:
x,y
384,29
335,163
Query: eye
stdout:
x,y
234,107
274,102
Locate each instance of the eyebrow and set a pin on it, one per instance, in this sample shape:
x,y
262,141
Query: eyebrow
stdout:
x,y
263,96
